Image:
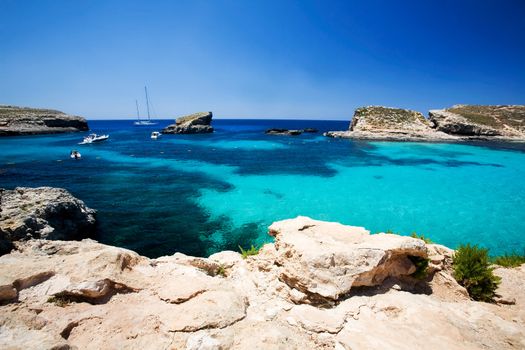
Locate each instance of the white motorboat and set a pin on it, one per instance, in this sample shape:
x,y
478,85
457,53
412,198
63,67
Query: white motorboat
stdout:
x,y
155,135
93,138
75,154
140,122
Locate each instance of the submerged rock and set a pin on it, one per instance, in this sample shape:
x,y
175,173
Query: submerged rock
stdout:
x,y
30,121
43,212
285,132
86,295
196,123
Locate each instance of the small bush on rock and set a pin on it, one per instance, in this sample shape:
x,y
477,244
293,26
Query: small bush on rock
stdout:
x,y
472,270
421,266
248,252
421,237
509,260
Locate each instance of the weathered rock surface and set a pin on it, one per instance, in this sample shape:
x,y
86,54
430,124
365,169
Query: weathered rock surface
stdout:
x,y
86,295
197,123
385,123
29,121
481,121
43,212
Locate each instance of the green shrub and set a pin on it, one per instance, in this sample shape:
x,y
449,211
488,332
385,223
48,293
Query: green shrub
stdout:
x,y
421,266
421,237
509,260
472,270
248,252
221,271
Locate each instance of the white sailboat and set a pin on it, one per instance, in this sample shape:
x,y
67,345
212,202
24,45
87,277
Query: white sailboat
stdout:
x,y
143,122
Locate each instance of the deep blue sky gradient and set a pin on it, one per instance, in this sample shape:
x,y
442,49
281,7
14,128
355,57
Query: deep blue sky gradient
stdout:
x,y
260,59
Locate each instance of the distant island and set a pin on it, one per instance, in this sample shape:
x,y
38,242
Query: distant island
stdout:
x,y
460,122
196,123
33,121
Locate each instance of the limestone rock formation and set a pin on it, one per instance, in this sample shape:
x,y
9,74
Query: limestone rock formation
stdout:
x,y
85,295
29,121
481,121
196,123
385,123
43,212
460,122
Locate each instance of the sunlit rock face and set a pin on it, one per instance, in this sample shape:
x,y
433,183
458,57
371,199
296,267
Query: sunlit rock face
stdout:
x,y
197,123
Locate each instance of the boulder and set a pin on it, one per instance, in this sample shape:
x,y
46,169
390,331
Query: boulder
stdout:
x,y
326,260
197,123
30,121
43,212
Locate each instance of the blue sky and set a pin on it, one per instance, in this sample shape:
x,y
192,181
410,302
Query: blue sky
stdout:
x,y
260,59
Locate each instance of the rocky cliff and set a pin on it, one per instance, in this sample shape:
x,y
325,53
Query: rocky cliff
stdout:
x,y
461,122
481,121
196,123
43,212
319,286
30,121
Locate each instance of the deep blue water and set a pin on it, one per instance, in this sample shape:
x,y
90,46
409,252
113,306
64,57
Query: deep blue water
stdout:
x,y
198,194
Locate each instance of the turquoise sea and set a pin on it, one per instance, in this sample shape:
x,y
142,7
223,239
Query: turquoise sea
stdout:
x,y
199,194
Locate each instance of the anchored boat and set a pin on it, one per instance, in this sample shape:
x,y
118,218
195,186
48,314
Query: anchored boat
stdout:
x,y
94,138
155,135
143,122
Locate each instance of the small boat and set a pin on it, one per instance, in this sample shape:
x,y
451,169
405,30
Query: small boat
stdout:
x,y
155,135
140,122
75,154
92,138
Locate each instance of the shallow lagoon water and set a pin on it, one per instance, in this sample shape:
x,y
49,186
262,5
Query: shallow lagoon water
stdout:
x,y
198,194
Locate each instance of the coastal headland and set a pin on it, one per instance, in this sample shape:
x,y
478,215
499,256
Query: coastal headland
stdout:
x,y
16,121
460,122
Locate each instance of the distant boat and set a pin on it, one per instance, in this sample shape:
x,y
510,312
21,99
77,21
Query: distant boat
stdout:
x,y
155,135
143,122
75,154
92,138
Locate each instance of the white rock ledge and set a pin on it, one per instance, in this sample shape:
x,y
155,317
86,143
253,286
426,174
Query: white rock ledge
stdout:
x,y
321,285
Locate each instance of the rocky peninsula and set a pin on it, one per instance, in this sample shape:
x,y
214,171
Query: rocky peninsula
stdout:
x,y
458,123
320,285
32,121
197,123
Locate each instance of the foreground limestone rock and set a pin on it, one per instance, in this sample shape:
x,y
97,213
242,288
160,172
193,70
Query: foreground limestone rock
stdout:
x,y
43,212
499,122
196,123
87,295
29,121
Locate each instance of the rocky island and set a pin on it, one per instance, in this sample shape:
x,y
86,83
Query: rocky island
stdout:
x,y
31,121
460,122
320,285
197,123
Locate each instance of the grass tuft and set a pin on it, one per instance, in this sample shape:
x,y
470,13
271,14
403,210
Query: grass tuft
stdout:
x,y
249,252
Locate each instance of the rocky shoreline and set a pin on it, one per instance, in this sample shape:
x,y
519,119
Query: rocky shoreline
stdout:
x,y
458,123
320,285
16,121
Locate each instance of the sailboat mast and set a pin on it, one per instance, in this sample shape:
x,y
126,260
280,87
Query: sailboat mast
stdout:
x,y
147,102
137,105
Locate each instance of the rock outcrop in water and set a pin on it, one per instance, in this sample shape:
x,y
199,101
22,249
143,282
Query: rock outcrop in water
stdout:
x,y
43,212
481,121
288,132
197,123
31,121
319,286
385,123
461,122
